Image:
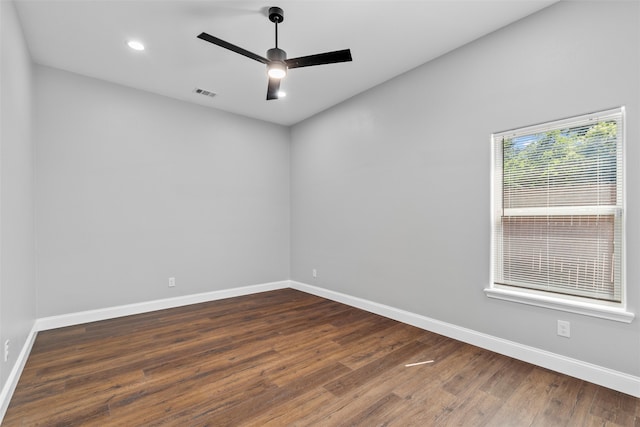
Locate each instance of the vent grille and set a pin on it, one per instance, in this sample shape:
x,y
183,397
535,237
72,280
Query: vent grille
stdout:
x,y
204,92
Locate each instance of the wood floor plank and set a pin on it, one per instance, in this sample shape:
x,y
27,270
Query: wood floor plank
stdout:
x,y
209,390
301,362
289,358
474,410
504,382
356,402
275,397
562,402
428,407
610,406
379,343
481,364
527,400
293,412
369,371
379,413
448,358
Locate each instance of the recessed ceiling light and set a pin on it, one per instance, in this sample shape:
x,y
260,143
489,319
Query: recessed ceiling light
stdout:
x,y
282,94
135,45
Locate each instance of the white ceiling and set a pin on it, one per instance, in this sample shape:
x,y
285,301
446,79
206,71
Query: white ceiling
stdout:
x,y
386,39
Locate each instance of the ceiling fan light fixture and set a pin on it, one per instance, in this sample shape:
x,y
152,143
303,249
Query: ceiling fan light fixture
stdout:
x,y
135,45
276,70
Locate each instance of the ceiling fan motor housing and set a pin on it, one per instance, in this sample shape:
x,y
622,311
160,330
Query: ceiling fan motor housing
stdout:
x,y
276,54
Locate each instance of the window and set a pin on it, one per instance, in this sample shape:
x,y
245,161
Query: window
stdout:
x,y
558,219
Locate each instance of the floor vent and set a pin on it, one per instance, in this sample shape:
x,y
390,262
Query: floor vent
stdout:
x,y
204,92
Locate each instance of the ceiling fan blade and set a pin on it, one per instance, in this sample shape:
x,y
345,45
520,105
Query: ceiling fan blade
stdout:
x,y
232,47
320,58
273,88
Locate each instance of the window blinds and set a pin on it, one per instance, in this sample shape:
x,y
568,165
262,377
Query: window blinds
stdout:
x,y
559,206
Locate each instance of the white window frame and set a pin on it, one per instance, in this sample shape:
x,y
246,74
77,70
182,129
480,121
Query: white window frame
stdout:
x,y
616,311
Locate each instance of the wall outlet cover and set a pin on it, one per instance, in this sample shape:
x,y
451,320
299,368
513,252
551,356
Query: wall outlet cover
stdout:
x,y
564,328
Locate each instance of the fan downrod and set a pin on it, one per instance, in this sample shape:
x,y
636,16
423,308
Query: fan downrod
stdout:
x,y
276,15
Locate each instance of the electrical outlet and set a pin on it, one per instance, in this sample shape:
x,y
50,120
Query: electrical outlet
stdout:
x,y
6,350
172,282
564,328
314,272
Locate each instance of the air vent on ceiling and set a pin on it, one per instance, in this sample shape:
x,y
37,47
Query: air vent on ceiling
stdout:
x,y
204,92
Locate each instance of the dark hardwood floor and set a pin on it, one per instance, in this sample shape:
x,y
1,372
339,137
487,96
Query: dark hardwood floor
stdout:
x,y
288,358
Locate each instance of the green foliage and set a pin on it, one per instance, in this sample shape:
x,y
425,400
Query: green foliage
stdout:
x,y
561,157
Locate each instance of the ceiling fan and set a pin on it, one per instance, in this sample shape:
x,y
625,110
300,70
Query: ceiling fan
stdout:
x,y
276,60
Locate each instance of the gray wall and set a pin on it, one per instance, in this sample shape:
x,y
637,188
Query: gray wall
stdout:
x,y
133,188
17,283
391,189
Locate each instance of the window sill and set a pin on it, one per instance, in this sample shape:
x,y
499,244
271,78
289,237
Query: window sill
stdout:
x,y
617,314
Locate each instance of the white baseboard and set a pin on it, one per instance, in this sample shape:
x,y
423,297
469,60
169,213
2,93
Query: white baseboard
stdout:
x,y
16,371
605,377
53,322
